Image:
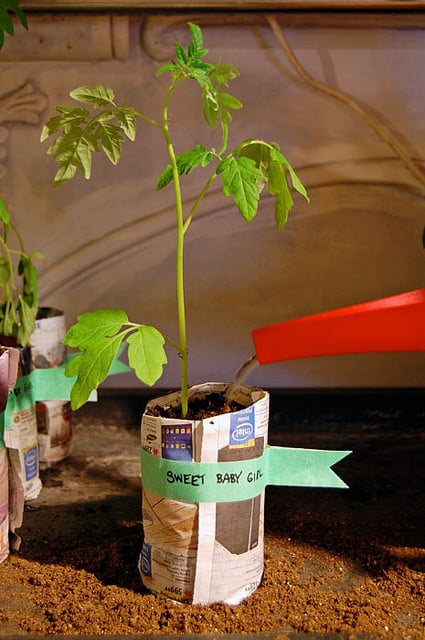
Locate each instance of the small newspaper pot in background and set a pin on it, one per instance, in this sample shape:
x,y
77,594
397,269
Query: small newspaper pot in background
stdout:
x,y
204,552
46,345
54,426
4,505
8,373
21,440
53,416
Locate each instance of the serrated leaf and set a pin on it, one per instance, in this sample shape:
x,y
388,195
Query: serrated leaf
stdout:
x,y
165,67
185,163
127,119
227,101
223,73
94,325
196,33
240,179
278,187
73,151
99,96
69,116
98,335
92,367
181,54
110,137
296,182
146,354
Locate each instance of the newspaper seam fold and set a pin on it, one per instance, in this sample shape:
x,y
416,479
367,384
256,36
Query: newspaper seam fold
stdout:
x,y
240,480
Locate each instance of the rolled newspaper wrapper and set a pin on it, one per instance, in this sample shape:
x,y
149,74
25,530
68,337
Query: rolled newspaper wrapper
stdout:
x,y
46,345
54,422
9,358
205,552
21,442
4,506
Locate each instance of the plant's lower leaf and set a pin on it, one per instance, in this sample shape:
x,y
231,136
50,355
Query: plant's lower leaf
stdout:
x,y
94,326
91,368
146,353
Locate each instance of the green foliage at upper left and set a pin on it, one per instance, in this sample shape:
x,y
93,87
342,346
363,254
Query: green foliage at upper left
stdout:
x,y
9,8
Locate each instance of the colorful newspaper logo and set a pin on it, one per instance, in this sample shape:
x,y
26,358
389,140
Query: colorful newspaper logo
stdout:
x,y
177,442
31,463
242,428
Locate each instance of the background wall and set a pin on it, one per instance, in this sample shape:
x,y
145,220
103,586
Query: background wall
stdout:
x,y
110,242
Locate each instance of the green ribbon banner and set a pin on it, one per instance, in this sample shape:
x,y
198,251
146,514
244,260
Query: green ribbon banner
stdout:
x,y
240,480
42,385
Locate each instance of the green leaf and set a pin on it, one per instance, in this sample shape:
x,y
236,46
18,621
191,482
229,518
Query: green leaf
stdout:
x,y
99,96
181,54
98,335
5,271
240,179
4,213
196,33
110,137
27,314
6,22
27,270
278,187
296,182
185,163
222,74
146,354
73,151
91,368
80,131
127,119
94,325
69,116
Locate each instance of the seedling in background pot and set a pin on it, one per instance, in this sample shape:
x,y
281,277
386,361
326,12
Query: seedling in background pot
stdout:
x,y
101,125
18,283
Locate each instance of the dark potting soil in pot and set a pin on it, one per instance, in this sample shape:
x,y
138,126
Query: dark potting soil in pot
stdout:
x,y
200,407
335,560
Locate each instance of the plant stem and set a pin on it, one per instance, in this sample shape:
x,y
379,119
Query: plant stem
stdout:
x,y
181,310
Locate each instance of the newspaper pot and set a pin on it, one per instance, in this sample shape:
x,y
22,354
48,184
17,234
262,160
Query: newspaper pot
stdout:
x,y
204,552
54,417
20,437
47,348
8,373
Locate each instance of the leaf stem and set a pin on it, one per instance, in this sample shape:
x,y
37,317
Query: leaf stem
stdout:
x,y
198,201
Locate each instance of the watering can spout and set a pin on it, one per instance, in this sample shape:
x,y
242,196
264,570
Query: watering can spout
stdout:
x,y
396,323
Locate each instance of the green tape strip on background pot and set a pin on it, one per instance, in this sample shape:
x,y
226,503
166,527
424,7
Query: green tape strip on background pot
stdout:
x,y
240,480
42,385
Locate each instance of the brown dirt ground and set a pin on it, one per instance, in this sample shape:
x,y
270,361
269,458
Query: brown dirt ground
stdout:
x,y
335,560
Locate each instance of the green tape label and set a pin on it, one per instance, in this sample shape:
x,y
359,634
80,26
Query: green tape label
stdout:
x,y
240,480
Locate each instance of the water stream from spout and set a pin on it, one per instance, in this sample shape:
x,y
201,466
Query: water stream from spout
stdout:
x,y
240,375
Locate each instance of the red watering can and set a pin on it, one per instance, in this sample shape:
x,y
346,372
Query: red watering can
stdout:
x,y
396,323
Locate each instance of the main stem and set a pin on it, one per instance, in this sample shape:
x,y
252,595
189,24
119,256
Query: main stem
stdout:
x,y
181,309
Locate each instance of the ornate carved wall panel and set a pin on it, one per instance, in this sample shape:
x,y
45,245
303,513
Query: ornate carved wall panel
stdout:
x,y
345,102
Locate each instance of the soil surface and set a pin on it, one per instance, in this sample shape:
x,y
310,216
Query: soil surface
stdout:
x,y
337,561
